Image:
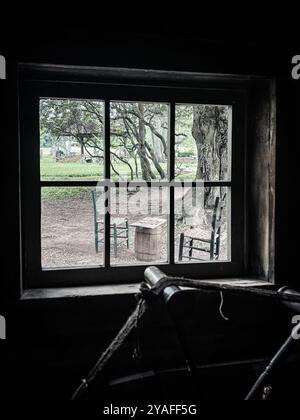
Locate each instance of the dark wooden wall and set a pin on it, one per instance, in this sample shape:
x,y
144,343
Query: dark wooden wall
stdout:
x,y
52,343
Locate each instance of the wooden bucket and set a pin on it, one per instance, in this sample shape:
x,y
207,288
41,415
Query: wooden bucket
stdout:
x,y
147,244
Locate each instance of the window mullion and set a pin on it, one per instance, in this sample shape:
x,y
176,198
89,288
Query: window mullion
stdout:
x,y
106,188
171,165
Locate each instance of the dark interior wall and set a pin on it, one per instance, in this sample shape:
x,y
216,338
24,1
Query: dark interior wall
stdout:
x,y
72,345
234,54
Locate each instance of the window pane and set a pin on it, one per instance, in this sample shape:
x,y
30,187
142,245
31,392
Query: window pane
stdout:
x,y
203,142
139,221
139,140
202,224
68,228
71,139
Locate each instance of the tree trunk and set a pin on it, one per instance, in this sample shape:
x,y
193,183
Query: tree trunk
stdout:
x,y
147,173
156,163
80,140
205,133
199,136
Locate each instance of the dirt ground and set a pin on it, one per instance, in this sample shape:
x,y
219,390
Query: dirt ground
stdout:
x,y
68,235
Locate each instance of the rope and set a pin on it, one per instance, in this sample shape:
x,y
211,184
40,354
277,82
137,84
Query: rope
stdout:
x,y
237,290
221,307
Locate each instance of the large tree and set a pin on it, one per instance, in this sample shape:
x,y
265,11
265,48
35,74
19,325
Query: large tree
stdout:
x,y
210,131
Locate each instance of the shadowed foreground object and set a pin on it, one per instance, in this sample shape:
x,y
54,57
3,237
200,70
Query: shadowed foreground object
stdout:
x,y
157,283
275,363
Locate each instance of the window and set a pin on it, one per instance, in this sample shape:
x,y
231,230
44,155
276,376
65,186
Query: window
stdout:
x,y
118,176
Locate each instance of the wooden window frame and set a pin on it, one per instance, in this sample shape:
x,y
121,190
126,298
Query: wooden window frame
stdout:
x,y
32,89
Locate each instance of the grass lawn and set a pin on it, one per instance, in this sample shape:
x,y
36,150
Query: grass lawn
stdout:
x,y
69,171
78,171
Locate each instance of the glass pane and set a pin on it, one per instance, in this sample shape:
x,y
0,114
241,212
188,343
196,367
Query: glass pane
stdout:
x,y
139,140
71,139
203,142
71,232
139,225
202,224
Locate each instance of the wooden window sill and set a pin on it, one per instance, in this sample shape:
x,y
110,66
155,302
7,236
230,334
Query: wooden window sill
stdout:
x,y
118,289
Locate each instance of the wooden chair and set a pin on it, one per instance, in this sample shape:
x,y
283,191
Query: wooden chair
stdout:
x,y
119,229
208,242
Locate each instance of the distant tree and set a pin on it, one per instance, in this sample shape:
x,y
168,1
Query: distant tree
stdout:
x,y
140,129
69,118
